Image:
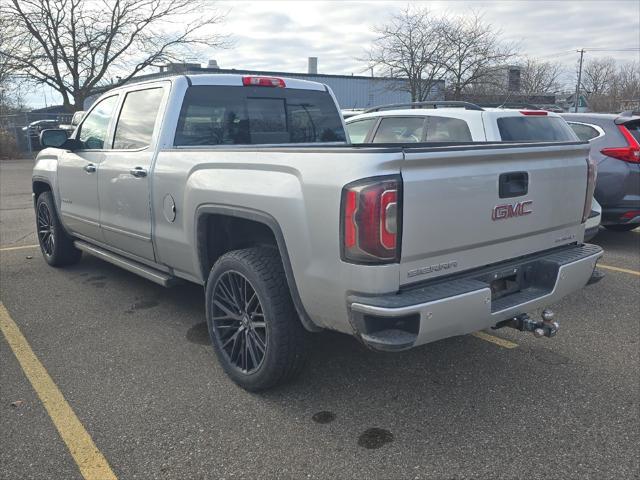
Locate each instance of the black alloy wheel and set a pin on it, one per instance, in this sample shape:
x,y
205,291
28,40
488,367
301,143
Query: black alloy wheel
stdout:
x,y
46,233
238,321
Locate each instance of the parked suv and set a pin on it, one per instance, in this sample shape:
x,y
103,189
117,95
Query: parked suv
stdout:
x,y
615,144
452,121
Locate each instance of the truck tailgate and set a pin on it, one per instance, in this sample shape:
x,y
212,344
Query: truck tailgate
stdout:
x,y
456,218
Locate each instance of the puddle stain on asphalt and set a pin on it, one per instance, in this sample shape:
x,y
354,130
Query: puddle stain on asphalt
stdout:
x,y
323,417
199,334
551,358
375,438
141,305
95,278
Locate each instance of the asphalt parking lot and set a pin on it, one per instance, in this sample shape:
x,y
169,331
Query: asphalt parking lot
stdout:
x,y
133,363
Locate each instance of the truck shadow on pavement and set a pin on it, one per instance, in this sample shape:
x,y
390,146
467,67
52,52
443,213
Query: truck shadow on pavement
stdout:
x,y
424,398
617,241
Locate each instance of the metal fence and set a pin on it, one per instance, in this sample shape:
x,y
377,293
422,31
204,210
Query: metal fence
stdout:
x,y
20,128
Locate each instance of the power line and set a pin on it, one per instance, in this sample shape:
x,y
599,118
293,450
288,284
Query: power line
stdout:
x,y
630,49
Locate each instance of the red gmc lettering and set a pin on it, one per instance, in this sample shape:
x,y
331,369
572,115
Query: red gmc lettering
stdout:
x,y
508,210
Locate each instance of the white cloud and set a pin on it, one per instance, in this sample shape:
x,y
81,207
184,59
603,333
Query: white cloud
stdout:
x,y
280,35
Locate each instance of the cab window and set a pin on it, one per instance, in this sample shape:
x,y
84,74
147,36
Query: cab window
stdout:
x,y
93,130
137,119
400,130
226,115
535,129
584,132
359,129
444,129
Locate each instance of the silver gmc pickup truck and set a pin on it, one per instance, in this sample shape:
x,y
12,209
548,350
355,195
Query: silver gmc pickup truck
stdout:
x,y
248,186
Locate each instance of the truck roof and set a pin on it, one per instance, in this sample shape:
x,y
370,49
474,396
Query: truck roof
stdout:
x,y
228,79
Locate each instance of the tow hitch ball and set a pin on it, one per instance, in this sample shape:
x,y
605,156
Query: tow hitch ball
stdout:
x,y
541,328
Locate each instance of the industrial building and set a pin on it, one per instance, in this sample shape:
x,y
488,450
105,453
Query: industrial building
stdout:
x,y
351,91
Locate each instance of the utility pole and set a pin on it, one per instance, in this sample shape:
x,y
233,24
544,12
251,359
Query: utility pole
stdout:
x,y
575,107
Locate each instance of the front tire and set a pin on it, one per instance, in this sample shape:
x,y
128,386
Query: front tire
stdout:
x,y
56,246
254,329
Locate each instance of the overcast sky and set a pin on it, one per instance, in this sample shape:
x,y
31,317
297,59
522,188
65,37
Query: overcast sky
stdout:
x,y
280,35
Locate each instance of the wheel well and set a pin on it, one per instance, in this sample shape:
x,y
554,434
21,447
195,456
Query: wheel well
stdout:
x,y
218,234
40,187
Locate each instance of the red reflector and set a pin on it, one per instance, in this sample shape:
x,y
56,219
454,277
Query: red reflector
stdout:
x,y
631,214
533,112
263,82
349,221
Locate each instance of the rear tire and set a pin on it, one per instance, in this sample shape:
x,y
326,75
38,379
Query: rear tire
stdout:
x,y
623,227
254,328
56,246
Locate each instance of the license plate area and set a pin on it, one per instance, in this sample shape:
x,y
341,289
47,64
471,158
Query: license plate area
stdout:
x,y
505,282
514,279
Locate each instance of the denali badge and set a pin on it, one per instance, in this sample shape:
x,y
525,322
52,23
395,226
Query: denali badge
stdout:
x,y
518,209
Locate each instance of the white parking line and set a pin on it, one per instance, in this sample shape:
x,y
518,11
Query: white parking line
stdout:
x,y
21,247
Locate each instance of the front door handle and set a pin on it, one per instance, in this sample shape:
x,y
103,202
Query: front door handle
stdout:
x,y
138,172
89,168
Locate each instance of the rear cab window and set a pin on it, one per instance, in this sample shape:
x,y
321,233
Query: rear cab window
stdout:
x,y
534,128
229,115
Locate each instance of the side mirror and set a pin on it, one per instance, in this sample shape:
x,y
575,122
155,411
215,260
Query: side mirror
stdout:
x,y
53,137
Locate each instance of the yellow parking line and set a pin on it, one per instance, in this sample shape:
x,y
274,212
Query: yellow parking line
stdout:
x,y
21,247
92,464
497,340
618,269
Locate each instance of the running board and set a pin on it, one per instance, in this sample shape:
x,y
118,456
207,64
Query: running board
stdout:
x,y
132,266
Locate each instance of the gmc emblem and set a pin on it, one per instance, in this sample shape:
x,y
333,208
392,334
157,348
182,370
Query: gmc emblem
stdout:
x,y
500,212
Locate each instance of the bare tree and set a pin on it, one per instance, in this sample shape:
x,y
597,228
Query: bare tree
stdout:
x,y
627,86
8,67
598,76
411,46
476,52
539,77
75,45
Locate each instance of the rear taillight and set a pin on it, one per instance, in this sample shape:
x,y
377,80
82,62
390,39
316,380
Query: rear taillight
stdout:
x,y
263,82
371,219
630,153
592,173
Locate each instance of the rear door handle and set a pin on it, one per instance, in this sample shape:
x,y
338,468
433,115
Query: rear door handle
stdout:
x,y
138,172
89,168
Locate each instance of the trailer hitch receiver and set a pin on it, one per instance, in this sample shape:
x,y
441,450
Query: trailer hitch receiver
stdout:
x,y
546,327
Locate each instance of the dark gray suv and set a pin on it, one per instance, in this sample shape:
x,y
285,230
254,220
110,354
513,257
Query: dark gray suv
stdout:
x,y
615,144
